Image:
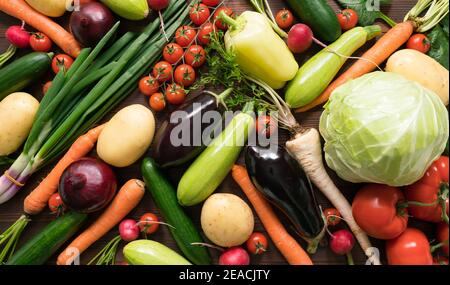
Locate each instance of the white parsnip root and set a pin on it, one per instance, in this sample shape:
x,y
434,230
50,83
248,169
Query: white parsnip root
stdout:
x,y
306,148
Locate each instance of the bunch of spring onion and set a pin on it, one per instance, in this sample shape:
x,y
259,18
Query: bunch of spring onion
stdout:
x,y
82,95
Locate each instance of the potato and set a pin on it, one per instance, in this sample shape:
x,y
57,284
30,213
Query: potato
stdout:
x,y
421,68
227,220
17,112
127,136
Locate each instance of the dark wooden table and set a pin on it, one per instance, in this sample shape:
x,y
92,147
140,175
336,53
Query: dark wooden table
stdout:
x,y
12,210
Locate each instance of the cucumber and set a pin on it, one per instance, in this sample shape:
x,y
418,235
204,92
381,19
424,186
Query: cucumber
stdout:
x,y
23,71
148,252
319,16
43,245
317,73
212,166
184,231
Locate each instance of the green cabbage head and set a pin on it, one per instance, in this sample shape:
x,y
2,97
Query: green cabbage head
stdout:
x,y
383,128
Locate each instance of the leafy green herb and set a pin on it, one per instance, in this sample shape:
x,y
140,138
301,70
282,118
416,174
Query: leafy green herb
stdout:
x,y
367,12
439,38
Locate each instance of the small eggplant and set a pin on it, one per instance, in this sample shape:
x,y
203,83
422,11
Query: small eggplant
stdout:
x,y
189,115
282,181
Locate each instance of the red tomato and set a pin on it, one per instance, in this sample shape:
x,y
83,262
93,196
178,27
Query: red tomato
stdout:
x,y
40,42
442,236
162,71
257,243
157,102
184,75
265,126
348,19
219,24
55,204
211,2
205,33
440,260
175,94
61,60
199,14
377,210
172,53
185,35
432,188
148,85
419,42
284,19
149,223
410,248
333,216
195,56
46,87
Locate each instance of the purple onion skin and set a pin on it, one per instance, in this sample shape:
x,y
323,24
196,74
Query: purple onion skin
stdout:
x,y
91,23
87,185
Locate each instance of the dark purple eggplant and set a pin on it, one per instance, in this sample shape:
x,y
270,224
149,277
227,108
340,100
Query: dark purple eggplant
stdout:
x,y
165,153
282,181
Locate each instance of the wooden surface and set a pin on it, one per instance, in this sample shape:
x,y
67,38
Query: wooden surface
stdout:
x,y
12,210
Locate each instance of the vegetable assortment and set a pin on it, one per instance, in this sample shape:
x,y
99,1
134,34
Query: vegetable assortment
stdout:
x,y
386,128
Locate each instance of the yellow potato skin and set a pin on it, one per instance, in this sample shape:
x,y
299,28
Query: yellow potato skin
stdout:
x,y
127,136
17,112
51,8
227,220
419,67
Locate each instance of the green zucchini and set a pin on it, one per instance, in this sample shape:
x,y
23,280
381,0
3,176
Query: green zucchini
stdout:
x,y
21,72
212,166
184,232
148,252
319,16
316,74
43,245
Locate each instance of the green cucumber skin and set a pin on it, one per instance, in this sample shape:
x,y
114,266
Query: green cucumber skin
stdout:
x,y
316,74
43,245
208,171
23,71
319,16
165,197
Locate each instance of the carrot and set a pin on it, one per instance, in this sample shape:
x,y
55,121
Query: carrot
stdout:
x,y
383,48
20,9
36,201
306,148
285,243
126,200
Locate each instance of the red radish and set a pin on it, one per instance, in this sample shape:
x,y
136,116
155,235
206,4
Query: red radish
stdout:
x,y
18,36
234,256
342,242
129,230
300,38
158,4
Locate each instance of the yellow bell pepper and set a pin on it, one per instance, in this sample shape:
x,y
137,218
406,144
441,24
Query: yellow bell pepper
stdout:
x,y
259,51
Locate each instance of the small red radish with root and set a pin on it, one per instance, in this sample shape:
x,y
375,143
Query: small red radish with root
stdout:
x,y
234,256
342,243
18,36
129,230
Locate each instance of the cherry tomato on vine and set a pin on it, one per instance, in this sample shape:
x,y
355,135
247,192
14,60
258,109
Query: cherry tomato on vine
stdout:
x,y
410,248
348,19
55,204
185,35
148,85
419,42
257,243
46,87
172,53
162,71
184,75
219,24
205,33
284,19
442,236
199,14
61,60
148,223
195,56
40,42
175,94
211,3
265,126
157,102
333,216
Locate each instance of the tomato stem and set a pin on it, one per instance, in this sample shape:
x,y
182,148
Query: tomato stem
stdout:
x,y
443,198
435,247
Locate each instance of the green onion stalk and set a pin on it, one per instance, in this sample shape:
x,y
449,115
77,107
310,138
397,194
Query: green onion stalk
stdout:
x,y
81,96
